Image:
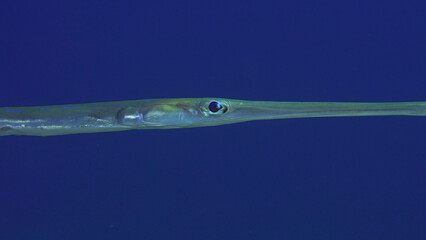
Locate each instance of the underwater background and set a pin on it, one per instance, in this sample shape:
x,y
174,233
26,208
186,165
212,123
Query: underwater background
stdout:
x,y
319,178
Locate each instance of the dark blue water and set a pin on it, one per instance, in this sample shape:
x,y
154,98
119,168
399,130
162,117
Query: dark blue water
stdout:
x,y
329,178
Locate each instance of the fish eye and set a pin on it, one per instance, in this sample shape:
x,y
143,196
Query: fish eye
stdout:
x,y
212,107
215,107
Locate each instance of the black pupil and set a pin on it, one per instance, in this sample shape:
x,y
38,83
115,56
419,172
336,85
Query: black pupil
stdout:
x,y
215,107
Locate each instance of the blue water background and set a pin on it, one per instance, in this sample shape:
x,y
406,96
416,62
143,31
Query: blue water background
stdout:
x,y
328,178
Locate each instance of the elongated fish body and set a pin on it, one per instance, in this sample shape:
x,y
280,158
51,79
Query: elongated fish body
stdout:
x,y
178,113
